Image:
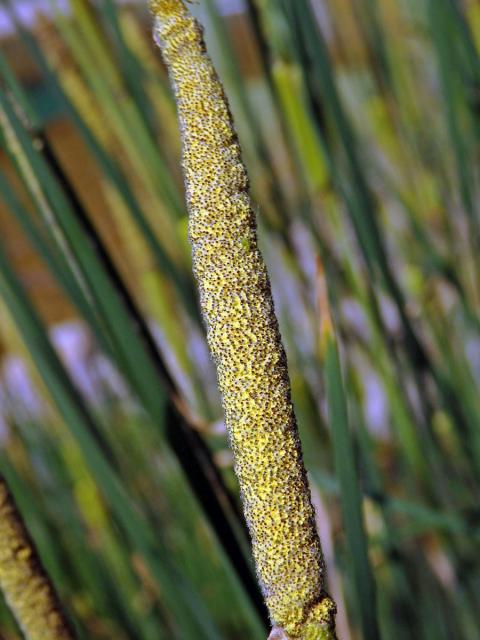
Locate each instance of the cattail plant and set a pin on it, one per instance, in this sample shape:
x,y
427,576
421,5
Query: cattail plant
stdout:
x,y
331,102
23,581
244,339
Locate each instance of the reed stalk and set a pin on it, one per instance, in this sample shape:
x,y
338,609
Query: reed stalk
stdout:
x,y
244,338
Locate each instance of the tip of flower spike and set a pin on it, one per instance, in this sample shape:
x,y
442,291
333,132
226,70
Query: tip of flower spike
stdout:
x,y
320,624
278,634
166,7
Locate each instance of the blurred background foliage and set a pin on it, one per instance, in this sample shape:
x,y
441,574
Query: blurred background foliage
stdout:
x,y
360,124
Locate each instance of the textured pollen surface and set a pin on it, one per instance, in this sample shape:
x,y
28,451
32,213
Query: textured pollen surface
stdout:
x,y
22,580
244,338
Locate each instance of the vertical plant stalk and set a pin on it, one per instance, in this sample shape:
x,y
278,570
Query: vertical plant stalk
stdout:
x,y
345,467
24,583
244,339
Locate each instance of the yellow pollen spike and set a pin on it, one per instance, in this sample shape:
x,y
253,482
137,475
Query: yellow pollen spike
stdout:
x,y
244,338
26,587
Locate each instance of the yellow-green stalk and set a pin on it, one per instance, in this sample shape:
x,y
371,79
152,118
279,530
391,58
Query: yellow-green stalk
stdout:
x,y
73,84
159,95
26,587
289,85
244,339
157,290
142,163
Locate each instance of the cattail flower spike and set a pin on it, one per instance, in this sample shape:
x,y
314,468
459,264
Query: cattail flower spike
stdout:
x,y
23,581
244,338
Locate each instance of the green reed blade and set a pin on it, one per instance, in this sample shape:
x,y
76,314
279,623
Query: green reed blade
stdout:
x,y
133,72
122,115
86,263
53,260
350,494
443,38
137,356
114,174
183,604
